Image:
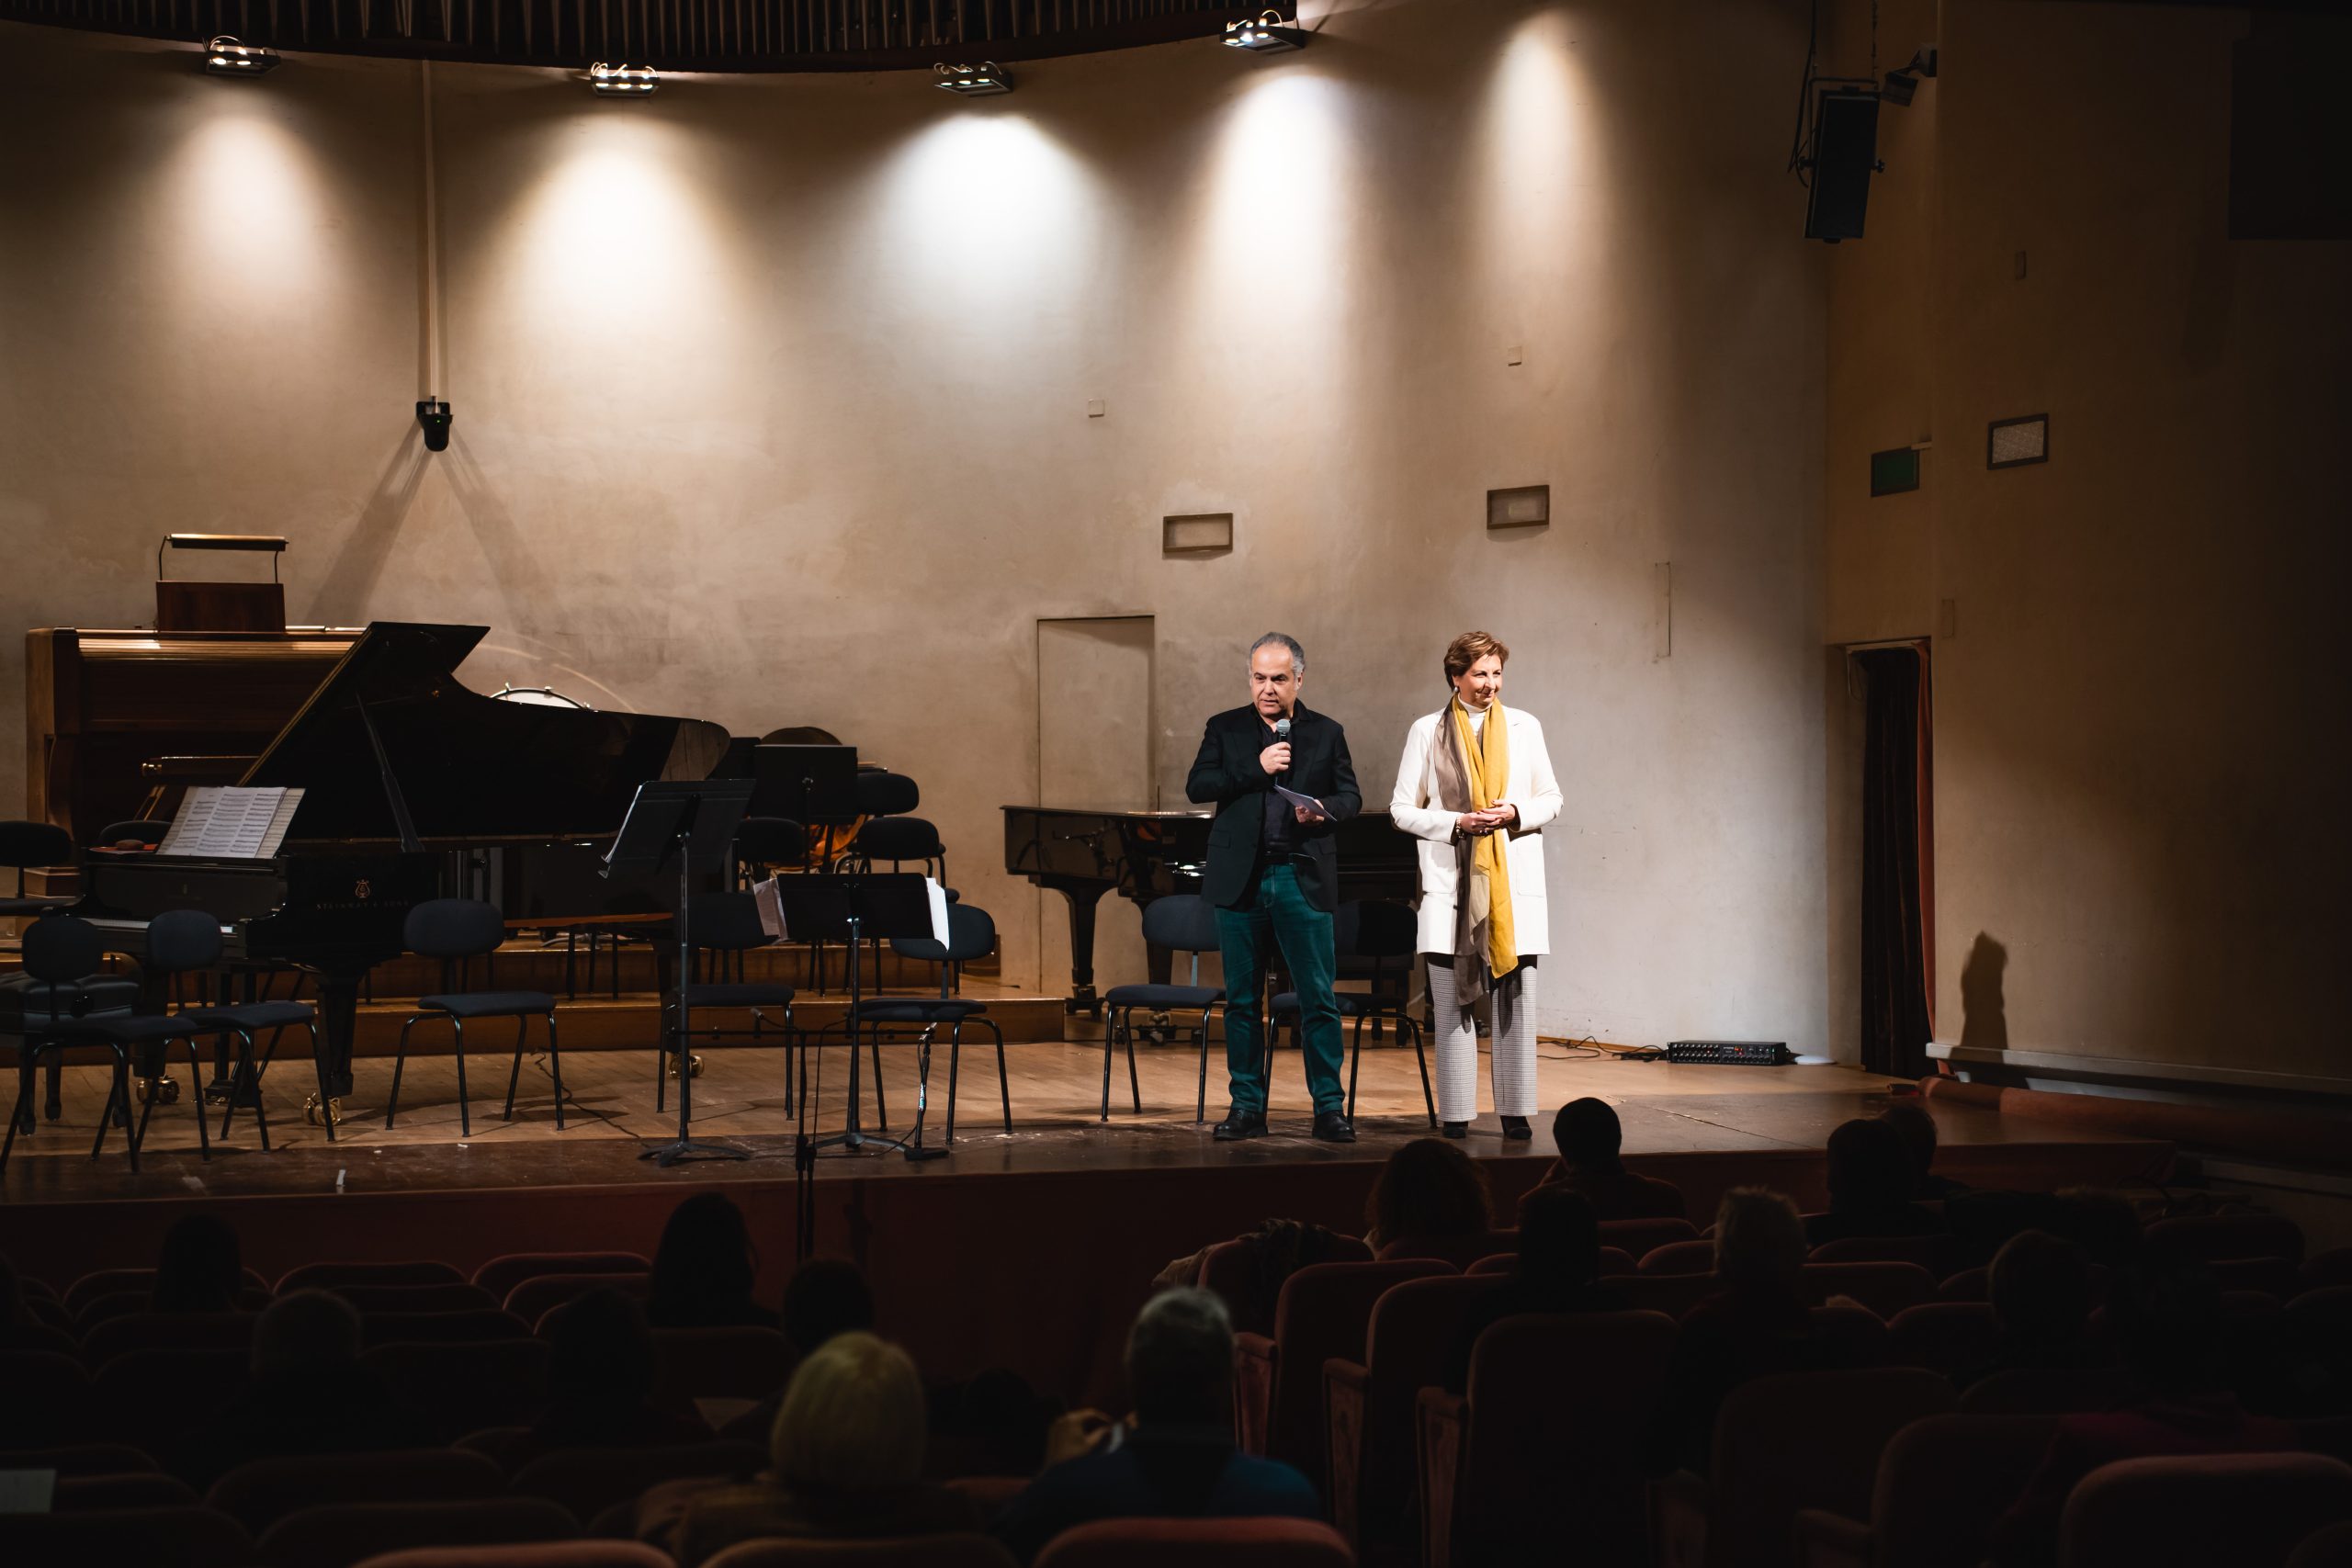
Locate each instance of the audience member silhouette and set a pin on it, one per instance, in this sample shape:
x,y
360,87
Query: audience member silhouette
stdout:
x,y
1276,1249
2041,1289
846,1454
1756,1323
2170,1326
826,1296
1917,1126
201,1268
1175,1459
704,1269
1870,1186
1428,1191
600,1385
307,1391
1590,1135
1559,1270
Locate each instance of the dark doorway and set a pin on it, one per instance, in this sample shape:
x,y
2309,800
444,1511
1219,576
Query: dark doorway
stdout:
x,y
1898,859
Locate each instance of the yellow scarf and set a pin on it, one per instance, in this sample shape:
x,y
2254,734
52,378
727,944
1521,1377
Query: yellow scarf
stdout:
x,y
1488,756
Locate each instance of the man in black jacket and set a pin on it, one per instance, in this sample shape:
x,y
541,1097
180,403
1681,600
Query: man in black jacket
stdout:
x,y
1273,871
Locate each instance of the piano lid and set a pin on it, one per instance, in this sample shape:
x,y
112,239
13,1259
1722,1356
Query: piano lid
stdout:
x,y
468,767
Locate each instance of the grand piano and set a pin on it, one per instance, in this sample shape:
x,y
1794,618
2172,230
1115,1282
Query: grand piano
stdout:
x,y
414,788
1082,854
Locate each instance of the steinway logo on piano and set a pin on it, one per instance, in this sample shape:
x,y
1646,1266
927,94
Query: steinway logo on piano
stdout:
x,y
362,888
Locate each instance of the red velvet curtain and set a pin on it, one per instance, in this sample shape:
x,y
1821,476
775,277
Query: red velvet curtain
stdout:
x,y
1898,978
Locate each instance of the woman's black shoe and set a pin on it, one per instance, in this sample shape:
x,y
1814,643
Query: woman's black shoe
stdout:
x,y
1515,1128
1457,1129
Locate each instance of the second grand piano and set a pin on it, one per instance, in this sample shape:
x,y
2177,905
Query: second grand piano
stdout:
x,y
412,785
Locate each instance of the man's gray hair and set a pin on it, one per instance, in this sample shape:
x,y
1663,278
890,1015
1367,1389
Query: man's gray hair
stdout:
x,y
1180,1357
1290,644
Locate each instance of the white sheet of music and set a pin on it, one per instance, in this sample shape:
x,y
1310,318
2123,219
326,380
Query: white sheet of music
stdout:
x,y
226,822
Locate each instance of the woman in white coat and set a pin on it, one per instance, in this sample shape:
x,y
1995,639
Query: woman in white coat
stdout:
x,y
1476,786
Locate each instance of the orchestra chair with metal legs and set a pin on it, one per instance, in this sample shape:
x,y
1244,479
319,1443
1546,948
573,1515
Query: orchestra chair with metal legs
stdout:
x,y
243,1022
23,845
1377,932
723,927
1181,922
56,999
455,930
764,844
971,934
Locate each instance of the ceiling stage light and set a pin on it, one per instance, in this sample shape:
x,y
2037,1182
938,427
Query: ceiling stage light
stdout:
x,y
982,81
224,56
1267,34
623,81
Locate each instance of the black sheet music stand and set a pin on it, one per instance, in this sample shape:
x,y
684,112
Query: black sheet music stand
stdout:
x,y
814,786
694,820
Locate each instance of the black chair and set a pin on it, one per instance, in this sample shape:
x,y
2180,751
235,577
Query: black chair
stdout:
x,y
455,930
1181,922
138,830
765,841
723,927
881,793
30,1005
1376,932
243,1020
971,933
27,844
57,997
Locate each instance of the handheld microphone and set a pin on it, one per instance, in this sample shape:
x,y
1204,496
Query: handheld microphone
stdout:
x,y
1282,733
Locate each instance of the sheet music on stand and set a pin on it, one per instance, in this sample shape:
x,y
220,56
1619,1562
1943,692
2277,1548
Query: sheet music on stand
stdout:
x,y
230,822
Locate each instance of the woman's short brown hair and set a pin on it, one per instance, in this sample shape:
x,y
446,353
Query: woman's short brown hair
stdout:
x,y
1468,648
852,1419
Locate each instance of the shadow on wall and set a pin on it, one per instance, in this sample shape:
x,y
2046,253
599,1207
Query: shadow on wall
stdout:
x,y
1984,1018
350,586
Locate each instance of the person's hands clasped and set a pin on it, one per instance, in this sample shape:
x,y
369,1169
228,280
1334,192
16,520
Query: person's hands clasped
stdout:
x,y
1477,824
1075,1434
1276,759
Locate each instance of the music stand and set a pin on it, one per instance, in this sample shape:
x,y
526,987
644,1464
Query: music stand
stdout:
x,y
695,820
814,786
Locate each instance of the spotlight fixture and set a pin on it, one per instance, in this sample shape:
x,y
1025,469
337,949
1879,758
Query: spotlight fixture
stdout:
x,y
224,56
434,414
1904,81
982,81
1266,34
623,81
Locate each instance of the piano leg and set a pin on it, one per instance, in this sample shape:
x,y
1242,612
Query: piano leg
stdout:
x,y
1082,896
338,1021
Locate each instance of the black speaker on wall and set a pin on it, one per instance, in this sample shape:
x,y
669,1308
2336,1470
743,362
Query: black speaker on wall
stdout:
x,y
1845,152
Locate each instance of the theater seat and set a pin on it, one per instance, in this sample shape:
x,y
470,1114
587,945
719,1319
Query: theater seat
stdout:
x,y
184,1538
80,1459
501,1274
261,1492
1186,1543
745,1362
1942,1484
1323,1312
1642,1237
463,1388
440,1327
166,1331
2051,1391
447,1295
2329,1546
1939,1253
1885,1288
1230,1271
1673,1294
339,1534
1679,1258
337,1276
529,1554
80,1493
584,1482
2211,1238
1457,1252
2246,1510
908,1551
534,1298
152,1399
1950,1337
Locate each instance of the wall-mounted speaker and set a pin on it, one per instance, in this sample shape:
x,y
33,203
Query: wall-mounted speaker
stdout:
x,y
1845,154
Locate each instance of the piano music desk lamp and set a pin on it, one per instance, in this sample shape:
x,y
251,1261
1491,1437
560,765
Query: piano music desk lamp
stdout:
x,y
453,930
971,934
1376,930
1181,922
214,606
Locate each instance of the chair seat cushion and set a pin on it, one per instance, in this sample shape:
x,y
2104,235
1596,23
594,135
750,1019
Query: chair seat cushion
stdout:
x,y
255,1015
1352,1004
1163,997
138,1029
916,1010
487,1004
25,1001
732,995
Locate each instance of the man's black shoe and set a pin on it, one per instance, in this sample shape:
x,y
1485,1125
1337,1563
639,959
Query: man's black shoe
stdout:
x,y
1515,1128
1333,1127
1240,1124
1457,1130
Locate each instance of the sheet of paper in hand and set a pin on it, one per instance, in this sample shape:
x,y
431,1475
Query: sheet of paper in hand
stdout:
x,y
1311,805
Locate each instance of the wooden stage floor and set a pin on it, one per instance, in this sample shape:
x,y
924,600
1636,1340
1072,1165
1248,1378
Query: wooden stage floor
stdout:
x,y
1055,1092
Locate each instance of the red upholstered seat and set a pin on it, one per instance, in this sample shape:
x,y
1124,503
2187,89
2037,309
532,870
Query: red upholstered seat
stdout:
x,y
992,1494
2329,1546
1230,1270
1673,1294
2246,1510
2323,1269
585,1482
184,1538
369,1273
720,1363
441,1327
445,1295
2277,1277
534,1298
1885,1288
1542,1436
38,1336
151,1399
2051,1391
1939,1253
1679,1258
465,1387
261,1492
80,1459
1782,1444
1323,1312
1459,1252
908,1551
1186,1543
1942,1484
2209,1238
339,1534
119,1281
1368,1404
80,1493
166,1331
501,1274
1641,1238
1950,1337
527,1554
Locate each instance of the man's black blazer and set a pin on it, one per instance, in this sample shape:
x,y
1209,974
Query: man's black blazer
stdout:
x,y
1227,773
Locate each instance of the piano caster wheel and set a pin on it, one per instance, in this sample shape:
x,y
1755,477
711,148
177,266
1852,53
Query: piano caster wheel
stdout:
x,y
310,1116
217,1092
670,1064
161,1090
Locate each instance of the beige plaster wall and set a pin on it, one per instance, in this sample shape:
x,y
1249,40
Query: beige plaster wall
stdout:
x,y
772,400
2139,738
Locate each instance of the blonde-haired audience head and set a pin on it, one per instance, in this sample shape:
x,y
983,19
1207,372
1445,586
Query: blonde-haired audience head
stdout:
x,y
1759,1240
852,1419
